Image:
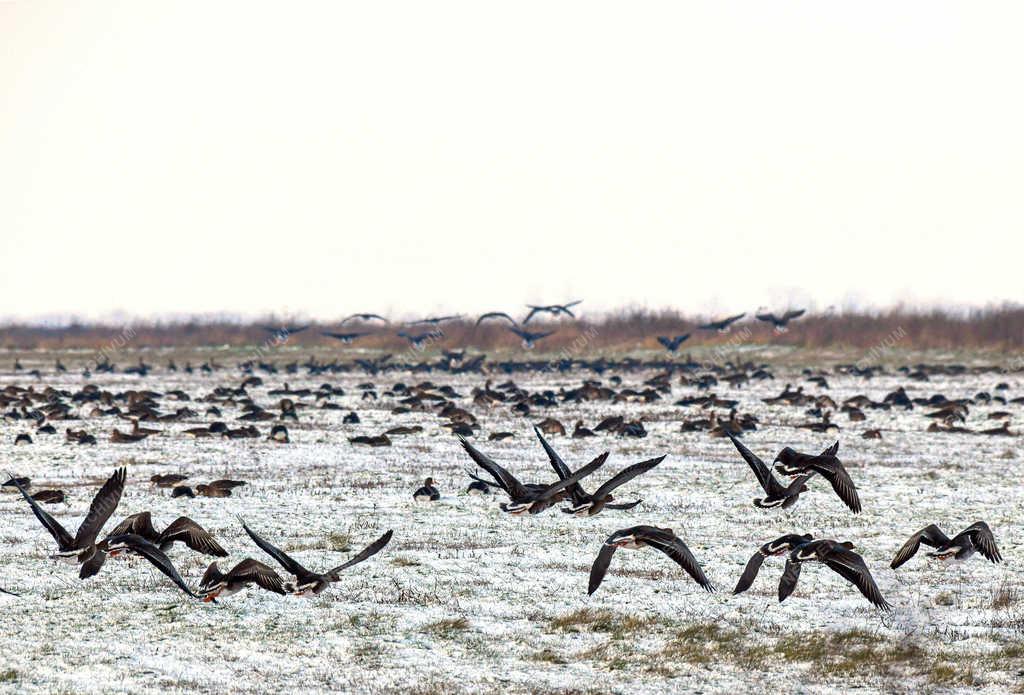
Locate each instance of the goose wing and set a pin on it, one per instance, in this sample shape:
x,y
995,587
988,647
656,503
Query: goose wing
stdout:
x,y
103,505
749,573
930,535
561,469
674,547
366,553
249,570
835,473
554,488
600,566
851,567
59,533
509,483
140,524
627,474
790,576
764,475
283,559
984,541
140,546
193,535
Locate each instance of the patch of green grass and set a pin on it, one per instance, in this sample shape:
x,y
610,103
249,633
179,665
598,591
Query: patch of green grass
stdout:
x,y
8,676
341,542
609,622
447,627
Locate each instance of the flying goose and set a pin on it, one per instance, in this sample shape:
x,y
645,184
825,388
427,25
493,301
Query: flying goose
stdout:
x,y
215,583
364,318
780,322
722,325
309,584
584,504
528,498
529,339
637,537
777,494
345,338
838,557
793,463
782,545
672,343
496,315
976,537
182,530
553,309
80,548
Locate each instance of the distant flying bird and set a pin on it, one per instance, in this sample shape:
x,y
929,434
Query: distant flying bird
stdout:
x,y
672,344
780,322
496,315
308,583
434,321
976,537
838,557
722,325
529,339
285,330
418,339
364,318
553,309
345,338
637,537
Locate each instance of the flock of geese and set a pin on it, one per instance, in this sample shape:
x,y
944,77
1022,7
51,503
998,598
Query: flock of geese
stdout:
x,y
790,474
427,330
137,536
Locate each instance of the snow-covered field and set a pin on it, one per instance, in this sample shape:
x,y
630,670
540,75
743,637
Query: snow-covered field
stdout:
x,y
466,598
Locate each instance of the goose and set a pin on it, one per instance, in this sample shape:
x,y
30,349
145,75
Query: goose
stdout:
x,y
553,309
976,537
216,584
782,545
529,339
722,325
672,343
583,504
526,498
780,322
308,584
777,494
793,463
182,530
637,537
80,548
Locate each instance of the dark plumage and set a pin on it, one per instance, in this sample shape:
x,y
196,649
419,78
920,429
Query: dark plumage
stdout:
x,y
976,537
310,583
636,537
838,557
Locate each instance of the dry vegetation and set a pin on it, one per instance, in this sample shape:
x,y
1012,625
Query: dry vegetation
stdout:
x,y
999,328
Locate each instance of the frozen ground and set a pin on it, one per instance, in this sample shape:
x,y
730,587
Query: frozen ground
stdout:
x,y
469,599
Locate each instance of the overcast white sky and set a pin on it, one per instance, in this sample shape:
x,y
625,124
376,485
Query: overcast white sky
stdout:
x,y
168,158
